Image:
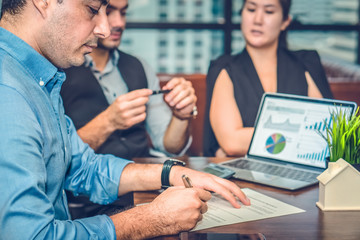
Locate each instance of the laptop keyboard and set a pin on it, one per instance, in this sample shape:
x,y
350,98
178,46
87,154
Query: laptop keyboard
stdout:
x,y
284,172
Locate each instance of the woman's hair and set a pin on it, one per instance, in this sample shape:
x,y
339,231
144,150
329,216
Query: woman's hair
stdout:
x,y
285,6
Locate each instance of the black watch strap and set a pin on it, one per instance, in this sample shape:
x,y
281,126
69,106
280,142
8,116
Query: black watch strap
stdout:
x,y
165,183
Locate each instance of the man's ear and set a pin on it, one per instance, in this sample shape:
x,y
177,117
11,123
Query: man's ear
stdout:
x,y
286,23
41,6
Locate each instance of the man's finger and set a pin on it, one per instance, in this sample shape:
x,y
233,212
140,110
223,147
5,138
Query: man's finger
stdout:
x,y
138,93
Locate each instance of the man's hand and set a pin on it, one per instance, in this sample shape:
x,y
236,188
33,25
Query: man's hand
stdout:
x,y
229,190
182,98
128,109
175,210
180,208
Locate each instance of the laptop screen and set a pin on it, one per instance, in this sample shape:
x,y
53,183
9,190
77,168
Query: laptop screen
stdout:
x,y
288,128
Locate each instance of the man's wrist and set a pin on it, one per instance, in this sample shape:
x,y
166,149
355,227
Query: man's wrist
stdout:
x,y
165,173
107,121
192,115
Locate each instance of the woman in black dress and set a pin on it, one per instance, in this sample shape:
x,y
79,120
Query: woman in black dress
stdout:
x,y
235,84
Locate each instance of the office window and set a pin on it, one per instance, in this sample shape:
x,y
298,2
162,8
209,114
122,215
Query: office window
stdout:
x,y
162,43
316,11
198,43
163,70
238,42
181,2
197,69
204,30
197,56
149,11
127,42
198,17
163,2
180,43
180,55
181,15
163,17
329,44
172,49
328,17
198,3
325,11
180,69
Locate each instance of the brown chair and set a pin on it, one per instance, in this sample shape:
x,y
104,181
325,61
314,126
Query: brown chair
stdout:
x,y
349,91
344,79
199,83
346,88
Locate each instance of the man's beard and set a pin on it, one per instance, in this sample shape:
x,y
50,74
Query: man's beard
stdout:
x,y
112,47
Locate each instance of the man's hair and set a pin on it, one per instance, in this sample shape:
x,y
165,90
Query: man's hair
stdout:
x,y
14,7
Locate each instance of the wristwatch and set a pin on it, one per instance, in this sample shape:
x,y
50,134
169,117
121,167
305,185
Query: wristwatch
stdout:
x,y
165,183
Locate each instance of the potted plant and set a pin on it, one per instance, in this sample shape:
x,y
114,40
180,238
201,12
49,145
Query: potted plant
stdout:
x,y
343,136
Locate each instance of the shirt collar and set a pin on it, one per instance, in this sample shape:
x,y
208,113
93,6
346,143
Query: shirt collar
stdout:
x,y
37,65
114,58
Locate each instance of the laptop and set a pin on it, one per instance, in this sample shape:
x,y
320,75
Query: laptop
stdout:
x,y
287,150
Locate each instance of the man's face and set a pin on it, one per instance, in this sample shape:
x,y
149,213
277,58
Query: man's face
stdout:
x,y
116,12
71,30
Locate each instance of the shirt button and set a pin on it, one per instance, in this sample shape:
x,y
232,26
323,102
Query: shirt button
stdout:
x,y
41,83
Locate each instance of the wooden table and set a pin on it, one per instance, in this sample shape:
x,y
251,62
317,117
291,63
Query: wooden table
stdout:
x,y
313,224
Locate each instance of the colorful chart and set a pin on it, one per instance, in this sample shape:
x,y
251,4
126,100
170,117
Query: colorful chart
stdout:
x,y
275,143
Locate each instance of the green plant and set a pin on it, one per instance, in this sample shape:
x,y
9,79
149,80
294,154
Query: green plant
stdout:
x,y
343,136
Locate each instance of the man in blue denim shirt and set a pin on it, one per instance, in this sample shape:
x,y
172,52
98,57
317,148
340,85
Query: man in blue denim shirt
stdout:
x,y
41,154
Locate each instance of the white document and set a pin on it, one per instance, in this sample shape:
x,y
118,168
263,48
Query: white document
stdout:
x,y
221,212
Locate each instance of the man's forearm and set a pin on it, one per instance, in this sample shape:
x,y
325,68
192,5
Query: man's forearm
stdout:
x,y
136,223
96,131
140,177
176,135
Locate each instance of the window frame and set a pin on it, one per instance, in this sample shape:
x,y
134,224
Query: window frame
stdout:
x,y
227,27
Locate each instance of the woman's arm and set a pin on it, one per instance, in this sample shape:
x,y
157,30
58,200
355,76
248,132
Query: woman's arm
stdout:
x,y
313,90
226,120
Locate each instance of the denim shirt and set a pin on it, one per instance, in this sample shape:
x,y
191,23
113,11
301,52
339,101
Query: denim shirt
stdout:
x,y
41,154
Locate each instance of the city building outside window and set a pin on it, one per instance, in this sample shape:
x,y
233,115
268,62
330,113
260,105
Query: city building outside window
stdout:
x,y
204,30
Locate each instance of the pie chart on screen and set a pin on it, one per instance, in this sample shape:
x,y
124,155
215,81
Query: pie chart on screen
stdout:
x,y
275,143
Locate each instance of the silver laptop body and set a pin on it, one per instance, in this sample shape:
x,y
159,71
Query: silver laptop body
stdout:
x,y
287,150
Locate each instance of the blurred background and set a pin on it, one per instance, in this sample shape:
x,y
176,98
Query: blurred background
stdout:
x,y
182,36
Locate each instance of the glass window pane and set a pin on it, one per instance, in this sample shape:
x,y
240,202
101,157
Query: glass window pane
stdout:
x,y
340,45
317,11
325,11
183,11
329,44
174,51
238,42
236,6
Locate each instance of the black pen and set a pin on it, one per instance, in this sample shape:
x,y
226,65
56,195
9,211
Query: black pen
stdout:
x,y
160,91
187,181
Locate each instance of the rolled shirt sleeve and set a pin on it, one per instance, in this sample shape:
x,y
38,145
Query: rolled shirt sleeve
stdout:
x,y
91,174
33,204
40,151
